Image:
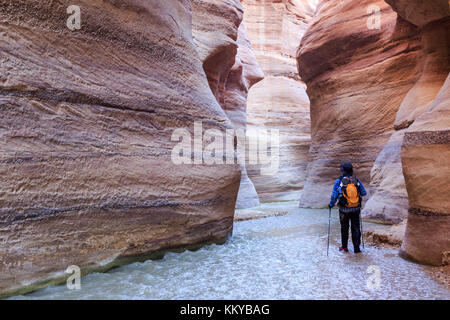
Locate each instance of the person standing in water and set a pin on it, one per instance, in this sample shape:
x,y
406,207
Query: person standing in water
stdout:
x,y
348,191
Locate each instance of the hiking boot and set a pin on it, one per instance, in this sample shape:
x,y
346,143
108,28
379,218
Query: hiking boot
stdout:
x,y
357,250
343,249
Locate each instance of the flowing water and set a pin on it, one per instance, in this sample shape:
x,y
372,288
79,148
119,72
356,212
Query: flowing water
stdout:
x,y
274,258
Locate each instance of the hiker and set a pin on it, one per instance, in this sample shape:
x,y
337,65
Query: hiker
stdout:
x,y
348,190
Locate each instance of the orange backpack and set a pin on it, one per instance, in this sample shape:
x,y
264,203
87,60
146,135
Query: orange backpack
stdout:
x,y
350,192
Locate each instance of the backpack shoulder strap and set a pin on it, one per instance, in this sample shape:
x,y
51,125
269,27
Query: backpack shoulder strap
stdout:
x,y
341,178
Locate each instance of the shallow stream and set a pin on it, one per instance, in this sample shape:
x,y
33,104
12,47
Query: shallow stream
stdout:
x,y
273,258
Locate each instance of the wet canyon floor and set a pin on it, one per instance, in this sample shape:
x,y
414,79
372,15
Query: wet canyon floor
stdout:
x,y
279,257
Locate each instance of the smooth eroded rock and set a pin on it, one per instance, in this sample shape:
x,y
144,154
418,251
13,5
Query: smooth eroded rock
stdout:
x,y
421,12
230,66
86,126
357,78
279,102
425,158
389,200
434,65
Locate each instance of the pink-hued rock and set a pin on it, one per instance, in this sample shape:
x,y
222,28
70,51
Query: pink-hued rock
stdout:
x,y
389,200
215,26
86,124
434,67
420,12
425,158
357,79
243,75
279,101
230,66
275,28
426,145
364,83
296,18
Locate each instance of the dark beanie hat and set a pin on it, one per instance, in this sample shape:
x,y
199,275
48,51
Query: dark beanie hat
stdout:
x,y
347,168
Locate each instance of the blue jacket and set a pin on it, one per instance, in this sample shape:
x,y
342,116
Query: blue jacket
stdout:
x,y
337,192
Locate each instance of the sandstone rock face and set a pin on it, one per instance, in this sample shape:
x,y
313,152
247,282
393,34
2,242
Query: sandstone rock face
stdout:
x,y
357,78
279,102
297,16
425,158
244,74
230,66
426,145
420,13
434,67
389,200
275,28
86,126
215,26
364,83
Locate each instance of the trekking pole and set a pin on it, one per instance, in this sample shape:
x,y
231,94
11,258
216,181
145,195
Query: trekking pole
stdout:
x,y
362,230
329,224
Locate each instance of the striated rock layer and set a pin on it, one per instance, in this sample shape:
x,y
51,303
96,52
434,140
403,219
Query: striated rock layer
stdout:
x,y
230,66
279,101
389,202
364,83
86,125
425,158
275,28
244,74
357,78
426,145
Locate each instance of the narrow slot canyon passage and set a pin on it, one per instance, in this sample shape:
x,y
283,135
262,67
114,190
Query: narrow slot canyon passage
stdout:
x,y
279,101
102,171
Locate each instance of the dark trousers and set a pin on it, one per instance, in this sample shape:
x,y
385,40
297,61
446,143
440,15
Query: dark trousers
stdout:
x,y
346,219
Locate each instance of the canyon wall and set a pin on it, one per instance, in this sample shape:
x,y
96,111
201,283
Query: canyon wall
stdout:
x,y
424,119
425,158
230,66
244,74
357,77
380,98
389,202
279,102
86,127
